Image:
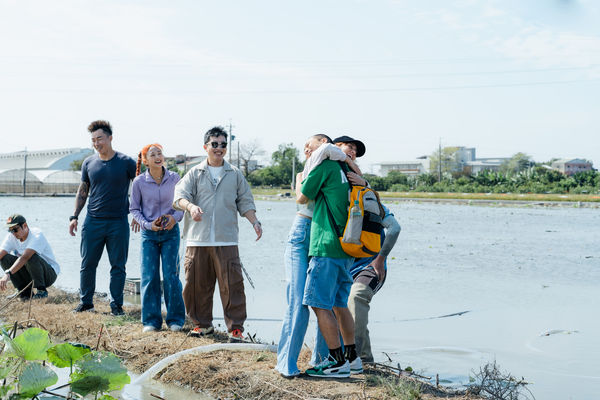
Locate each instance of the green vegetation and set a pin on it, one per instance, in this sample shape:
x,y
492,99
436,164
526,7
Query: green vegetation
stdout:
x,y
281,170
517,175
395,387
537,180
25,374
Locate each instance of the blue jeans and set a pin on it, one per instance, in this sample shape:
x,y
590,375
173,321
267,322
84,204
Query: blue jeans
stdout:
x,y
156,247
95,234
296,316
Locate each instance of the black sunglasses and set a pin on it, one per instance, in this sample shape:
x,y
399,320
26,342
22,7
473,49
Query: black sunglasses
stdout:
x,y
14,229
214,145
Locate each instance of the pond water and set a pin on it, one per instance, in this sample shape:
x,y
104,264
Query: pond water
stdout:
x,y
516,273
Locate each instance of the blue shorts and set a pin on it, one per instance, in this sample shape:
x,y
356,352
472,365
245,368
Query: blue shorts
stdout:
x,y
328,282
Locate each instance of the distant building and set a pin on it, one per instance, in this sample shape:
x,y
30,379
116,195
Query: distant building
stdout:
x,y
470,164
411,168
570,166
45,171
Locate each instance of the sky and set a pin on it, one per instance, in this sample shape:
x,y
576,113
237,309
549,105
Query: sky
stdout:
x,y
503,76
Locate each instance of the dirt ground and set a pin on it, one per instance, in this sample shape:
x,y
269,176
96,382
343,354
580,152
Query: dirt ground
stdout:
x,y
222,374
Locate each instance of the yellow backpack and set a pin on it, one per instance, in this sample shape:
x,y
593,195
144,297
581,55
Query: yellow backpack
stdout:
x,y
362,233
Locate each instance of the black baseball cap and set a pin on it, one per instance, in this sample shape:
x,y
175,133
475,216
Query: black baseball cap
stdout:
x,y
360,146
14,220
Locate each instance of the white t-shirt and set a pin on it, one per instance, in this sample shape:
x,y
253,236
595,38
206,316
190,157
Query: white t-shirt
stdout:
x,y
35,241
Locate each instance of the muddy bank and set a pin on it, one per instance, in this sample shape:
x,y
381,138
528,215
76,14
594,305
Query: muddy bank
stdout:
x,y
222,374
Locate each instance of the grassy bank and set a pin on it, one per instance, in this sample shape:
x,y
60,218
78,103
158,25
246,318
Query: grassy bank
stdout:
x,y
222,374
532,197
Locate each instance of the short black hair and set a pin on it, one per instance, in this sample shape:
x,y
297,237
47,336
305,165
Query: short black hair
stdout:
x,y
215,131
100,124
322,136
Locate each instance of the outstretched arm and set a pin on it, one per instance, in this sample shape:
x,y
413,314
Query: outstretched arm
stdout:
x,y
18,264
392,231
80,199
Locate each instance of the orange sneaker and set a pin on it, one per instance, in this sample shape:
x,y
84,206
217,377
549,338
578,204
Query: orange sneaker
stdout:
x,y
236,335
198,331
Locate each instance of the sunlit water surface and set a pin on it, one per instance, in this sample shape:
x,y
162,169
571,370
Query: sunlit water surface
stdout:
x,y
519,272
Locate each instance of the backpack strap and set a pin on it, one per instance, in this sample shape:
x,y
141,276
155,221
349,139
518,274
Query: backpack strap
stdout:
x,y
330,215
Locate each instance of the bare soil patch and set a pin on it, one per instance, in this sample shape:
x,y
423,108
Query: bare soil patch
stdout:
x,y
222,374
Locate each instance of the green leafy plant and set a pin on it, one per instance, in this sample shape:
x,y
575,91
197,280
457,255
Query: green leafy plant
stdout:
x,y
24,372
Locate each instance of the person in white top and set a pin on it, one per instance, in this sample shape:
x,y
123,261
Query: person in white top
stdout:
x,y
212,195
27,259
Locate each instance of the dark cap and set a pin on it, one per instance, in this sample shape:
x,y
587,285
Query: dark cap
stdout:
x,y
14,220
360,146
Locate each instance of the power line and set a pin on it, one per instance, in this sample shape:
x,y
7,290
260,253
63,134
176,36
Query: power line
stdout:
x,y
308,91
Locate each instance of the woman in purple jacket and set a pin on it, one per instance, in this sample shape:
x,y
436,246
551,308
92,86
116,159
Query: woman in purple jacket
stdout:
x,y
151,200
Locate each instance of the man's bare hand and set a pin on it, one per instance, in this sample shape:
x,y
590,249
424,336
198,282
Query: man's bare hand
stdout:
x,y
73,227
258,229
3,281
135,226
378,265
196,212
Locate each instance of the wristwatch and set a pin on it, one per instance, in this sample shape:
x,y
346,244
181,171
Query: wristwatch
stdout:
x,y
72,217
8,273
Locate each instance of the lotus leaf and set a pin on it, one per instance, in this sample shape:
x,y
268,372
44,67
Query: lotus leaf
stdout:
x,y
65,354
32,344
102,365
90,384
35,378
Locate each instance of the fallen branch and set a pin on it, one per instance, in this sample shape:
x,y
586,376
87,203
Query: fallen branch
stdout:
x,y
16,296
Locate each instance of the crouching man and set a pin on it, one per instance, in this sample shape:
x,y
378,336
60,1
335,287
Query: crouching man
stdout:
x,y
25,256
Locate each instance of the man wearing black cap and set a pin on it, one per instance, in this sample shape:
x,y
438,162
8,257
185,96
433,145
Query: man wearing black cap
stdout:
x,y
25,256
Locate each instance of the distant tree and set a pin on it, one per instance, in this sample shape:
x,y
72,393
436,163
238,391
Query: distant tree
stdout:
x,y
448,158
517,163
172,166
378,183
249,150
76,164
280,171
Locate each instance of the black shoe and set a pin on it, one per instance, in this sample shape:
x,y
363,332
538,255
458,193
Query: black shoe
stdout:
x,y
84,307
117,311
25,296
41,294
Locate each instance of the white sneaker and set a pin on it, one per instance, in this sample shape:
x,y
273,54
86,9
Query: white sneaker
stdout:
x,y
332,370
149,328
175,328
356,366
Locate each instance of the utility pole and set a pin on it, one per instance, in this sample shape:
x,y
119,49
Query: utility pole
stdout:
x,y
25,175
440,161
231,141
